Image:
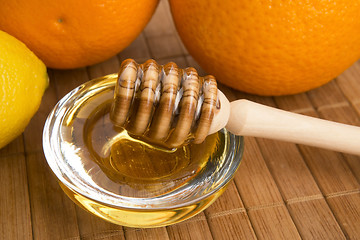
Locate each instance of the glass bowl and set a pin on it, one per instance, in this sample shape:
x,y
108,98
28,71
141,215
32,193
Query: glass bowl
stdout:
x,y
78,139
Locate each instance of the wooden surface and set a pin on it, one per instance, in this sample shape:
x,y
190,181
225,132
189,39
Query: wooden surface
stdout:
x,y
281,191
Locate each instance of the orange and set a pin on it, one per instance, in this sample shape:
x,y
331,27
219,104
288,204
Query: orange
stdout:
x,y
269,47
71,33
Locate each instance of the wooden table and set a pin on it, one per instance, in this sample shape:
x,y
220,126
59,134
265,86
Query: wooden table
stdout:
x,y
281,191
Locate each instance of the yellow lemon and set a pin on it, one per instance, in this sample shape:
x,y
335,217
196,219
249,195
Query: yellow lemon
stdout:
x,y
23,80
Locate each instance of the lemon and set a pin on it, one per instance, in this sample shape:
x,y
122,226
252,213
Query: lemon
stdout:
x,y
23,80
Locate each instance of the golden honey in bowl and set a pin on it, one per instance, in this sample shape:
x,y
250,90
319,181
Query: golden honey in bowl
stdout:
x,y
122,178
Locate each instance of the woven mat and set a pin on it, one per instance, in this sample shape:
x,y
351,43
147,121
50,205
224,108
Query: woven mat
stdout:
x,y
281,191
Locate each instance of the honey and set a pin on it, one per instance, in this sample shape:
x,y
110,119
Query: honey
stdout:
x,y
141,168
123,178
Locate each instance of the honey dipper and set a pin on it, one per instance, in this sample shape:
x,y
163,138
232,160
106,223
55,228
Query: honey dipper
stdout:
x,y
167,105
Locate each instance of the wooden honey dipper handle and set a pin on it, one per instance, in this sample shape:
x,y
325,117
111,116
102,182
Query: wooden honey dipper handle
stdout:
x,y
165,95
252,119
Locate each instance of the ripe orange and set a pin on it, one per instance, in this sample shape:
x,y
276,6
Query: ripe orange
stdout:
x,y
71,33
270,47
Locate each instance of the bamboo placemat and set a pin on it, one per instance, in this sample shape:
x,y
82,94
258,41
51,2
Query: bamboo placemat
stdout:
x,y
281,190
